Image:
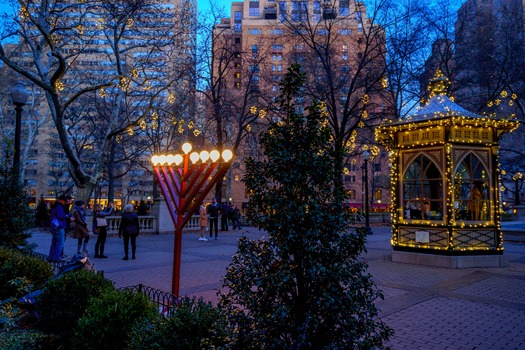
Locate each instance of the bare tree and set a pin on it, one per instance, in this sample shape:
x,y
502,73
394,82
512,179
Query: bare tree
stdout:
x,y
120,50
227,106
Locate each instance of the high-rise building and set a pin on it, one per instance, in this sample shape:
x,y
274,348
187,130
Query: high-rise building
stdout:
x,y
341,51
490,56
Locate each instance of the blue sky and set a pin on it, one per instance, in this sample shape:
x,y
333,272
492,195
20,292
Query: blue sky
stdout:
x,y
202,5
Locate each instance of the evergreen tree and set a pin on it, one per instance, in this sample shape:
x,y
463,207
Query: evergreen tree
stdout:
x,y
305,286
16,216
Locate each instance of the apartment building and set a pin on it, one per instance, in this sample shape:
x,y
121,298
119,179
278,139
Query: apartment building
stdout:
x,y
338,47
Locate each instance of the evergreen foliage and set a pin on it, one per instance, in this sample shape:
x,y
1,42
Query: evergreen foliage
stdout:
x,y
305,286
193,324
64,301
17,217
109,320
14,264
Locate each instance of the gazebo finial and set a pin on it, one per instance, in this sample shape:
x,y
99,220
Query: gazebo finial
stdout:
x,y
439,84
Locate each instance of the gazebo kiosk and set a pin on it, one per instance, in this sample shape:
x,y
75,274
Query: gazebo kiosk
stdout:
x,y
444,177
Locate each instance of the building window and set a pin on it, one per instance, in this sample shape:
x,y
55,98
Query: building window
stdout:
x,y
351,194
255,48
378,194
254,11
282,11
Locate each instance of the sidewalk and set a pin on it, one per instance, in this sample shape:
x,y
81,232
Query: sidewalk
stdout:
x,y
428,307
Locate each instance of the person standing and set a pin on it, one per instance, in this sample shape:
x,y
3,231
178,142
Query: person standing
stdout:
x,y
225,215
81,227
203,221
100,226
235,216
213,213
129,228
58,223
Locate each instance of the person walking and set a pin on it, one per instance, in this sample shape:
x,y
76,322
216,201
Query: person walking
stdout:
x,y
213,214
129,228
81,227
235,216
100,226
58,223
203,221
225,215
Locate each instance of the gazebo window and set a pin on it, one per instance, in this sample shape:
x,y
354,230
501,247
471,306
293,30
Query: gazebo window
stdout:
x,y
471,190
423,190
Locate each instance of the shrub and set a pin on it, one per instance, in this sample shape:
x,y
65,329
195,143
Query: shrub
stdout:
x,y
17,217
14,265
193,324
65,300
109,320
305,286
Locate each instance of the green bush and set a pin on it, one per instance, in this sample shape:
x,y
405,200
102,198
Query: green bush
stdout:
x,y
17,217
193,324
109,320
65,300
306,285
14,265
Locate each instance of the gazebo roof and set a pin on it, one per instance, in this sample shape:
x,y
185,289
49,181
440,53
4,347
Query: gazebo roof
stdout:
x,y
440,106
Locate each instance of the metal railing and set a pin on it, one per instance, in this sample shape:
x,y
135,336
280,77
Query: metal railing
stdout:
x,y
164,300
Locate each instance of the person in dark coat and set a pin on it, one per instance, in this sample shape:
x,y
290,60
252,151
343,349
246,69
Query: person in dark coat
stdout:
x,y
235,217
225,215
129,229
213,213
101,229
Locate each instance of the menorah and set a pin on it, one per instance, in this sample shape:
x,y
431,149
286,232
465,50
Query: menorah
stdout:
x,y
185,180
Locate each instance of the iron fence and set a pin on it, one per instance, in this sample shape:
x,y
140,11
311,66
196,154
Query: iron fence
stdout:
x,y
164,300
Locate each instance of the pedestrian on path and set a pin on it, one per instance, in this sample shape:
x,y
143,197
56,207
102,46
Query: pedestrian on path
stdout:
x,y
129,229
203,222
213,213
81,227
225,214
235,216
58,223
100,226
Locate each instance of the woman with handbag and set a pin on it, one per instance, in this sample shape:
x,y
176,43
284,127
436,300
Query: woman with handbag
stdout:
x,y
129,228
81,227
100,226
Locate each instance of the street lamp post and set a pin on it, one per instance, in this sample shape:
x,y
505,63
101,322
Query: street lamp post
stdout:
x,y
366,158
19,96
185,180
517,178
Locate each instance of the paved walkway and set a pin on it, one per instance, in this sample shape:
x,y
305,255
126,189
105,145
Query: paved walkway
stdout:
x,y
428,307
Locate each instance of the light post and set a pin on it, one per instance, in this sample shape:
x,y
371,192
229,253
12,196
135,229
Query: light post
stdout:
x,y
185,180
517,178
19,96
366,158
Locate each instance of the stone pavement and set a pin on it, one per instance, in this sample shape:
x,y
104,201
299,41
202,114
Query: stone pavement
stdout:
x,y
428,307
